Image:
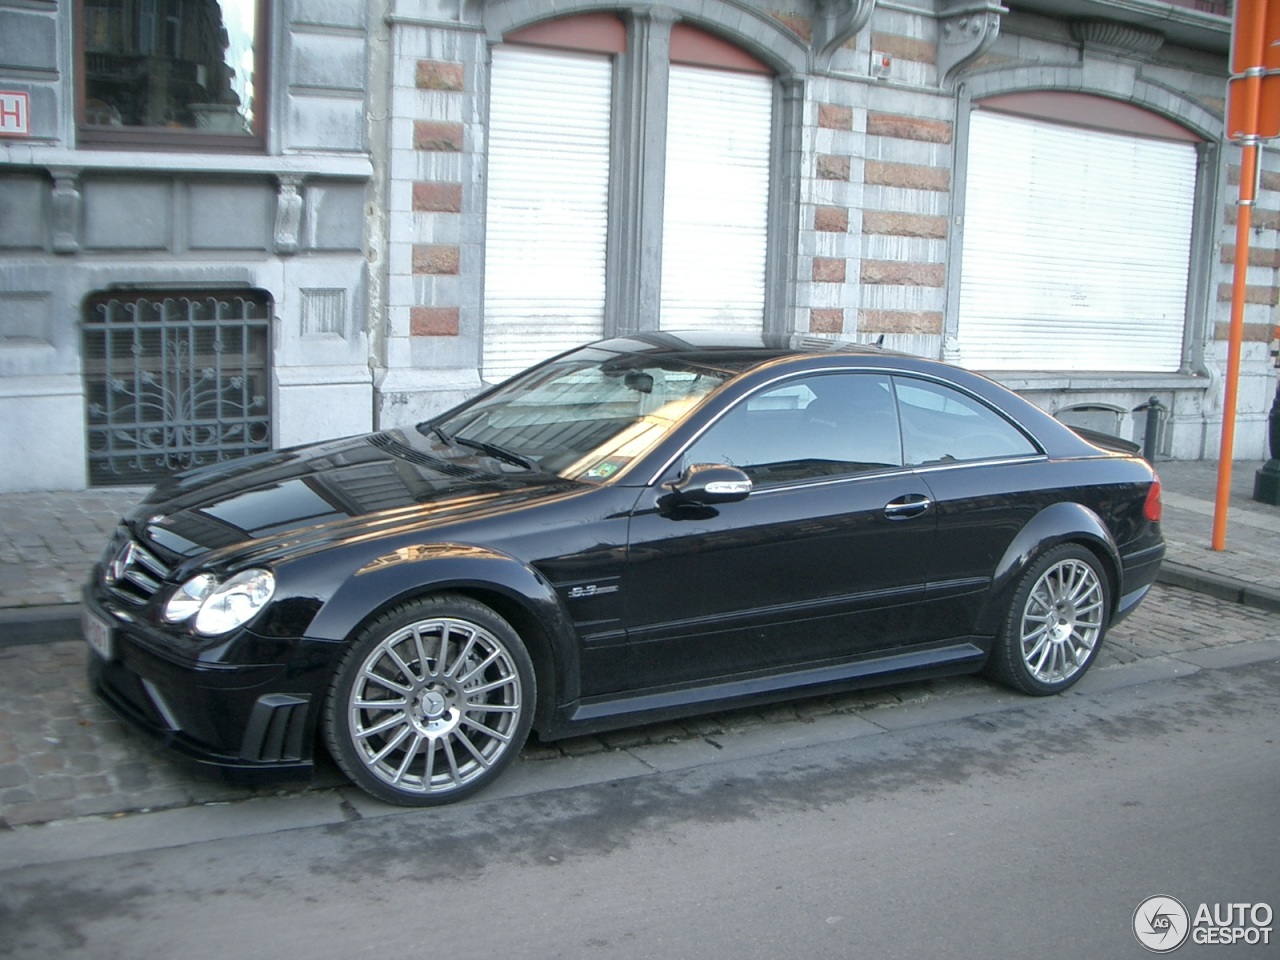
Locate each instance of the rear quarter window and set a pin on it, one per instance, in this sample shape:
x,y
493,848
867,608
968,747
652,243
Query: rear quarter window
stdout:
x,y
942,425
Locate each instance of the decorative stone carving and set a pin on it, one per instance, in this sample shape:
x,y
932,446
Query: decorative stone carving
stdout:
x,y
288,214
967,30
67,204
1120,37
835,22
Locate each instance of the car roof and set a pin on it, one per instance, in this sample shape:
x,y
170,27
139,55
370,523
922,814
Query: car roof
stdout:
x,y
745,354
732,352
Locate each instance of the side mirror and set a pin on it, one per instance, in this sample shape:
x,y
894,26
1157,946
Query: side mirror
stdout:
x,y
709,483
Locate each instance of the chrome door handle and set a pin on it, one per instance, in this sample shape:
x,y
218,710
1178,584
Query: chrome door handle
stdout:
x,y
904,508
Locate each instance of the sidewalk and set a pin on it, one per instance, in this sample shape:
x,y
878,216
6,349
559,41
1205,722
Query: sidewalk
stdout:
x,y
1248,570
49,541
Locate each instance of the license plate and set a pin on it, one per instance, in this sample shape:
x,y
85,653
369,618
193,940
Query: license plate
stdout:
x,y
97,633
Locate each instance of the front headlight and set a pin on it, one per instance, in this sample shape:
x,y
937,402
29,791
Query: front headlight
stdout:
x,y
218,608
186,603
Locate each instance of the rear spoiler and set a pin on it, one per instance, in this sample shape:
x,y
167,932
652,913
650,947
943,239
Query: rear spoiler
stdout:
x,y
1108,442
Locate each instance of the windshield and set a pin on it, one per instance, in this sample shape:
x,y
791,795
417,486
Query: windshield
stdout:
x,y
584,417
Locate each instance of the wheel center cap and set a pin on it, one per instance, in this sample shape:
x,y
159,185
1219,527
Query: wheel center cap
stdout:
x,y
433,704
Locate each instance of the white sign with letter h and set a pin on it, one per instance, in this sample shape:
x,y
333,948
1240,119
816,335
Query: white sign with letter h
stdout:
x,y
15,114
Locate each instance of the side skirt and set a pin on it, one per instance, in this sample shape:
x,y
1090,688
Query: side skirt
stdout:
x,y
596,715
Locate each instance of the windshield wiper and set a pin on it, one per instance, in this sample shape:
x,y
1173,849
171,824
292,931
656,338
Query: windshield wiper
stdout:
x,y
493,450
441,434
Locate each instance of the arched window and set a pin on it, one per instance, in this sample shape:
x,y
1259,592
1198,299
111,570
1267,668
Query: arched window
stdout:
x,y
1077,246
628,185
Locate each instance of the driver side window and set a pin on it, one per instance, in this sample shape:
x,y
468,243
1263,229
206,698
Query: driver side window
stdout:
x,y
826,425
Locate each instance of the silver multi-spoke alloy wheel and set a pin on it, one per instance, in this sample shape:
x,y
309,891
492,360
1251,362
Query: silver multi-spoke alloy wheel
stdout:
x,y
1062,621
1055,622
432,704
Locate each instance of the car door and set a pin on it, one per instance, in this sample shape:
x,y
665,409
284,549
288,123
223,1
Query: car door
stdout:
x,y
822,562
986,479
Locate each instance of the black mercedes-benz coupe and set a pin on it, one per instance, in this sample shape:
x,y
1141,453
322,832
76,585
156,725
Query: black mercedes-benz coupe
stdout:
x,y
638,529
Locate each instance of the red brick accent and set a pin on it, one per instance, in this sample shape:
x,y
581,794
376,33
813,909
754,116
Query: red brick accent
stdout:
x,y
908,128
1263,219
1270,180
900,321
909,175
831,220
1252,294
439,75
905,48
434,135
433,321
832,167
800,26
885,223
835,117
434,197
1253,332
828,270
826,320
438,259
904,274
1258,256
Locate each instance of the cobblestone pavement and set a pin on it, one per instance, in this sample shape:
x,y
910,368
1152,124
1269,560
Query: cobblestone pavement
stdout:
x,y
49,541
63,754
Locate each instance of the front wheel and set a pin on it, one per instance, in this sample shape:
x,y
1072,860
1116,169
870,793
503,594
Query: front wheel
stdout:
x,y
1055,624
431,702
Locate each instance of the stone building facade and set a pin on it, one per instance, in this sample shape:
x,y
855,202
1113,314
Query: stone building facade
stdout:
x,y
179,281
445,190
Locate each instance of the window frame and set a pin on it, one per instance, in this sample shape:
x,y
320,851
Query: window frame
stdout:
x,y
187,140
633,254
1184,111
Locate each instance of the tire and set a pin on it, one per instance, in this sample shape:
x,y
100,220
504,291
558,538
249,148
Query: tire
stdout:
x,y
1055,624
431,702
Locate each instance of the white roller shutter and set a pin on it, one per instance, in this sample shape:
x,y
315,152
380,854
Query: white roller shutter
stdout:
x,y
547,205
1076,248
716,199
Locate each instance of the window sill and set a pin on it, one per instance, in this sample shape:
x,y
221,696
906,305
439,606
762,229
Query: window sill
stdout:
x,y
1080,381
151,161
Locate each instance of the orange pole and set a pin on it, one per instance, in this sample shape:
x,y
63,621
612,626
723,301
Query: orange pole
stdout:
x,y
1235,340
1248,53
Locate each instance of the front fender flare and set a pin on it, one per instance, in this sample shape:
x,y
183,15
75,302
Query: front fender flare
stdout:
x,y
1064,522
485,574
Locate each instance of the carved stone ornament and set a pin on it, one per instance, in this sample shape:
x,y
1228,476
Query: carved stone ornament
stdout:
x,y
967,30
834,23
65,215
1120,37
288,214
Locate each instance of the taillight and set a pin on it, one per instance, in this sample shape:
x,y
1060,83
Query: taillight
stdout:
x,y
1153,507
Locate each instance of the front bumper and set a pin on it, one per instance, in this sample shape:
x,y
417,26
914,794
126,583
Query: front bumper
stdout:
x,y
244,722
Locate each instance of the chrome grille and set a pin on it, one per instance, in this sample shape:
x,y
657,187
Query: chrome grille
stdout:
x,y
130,571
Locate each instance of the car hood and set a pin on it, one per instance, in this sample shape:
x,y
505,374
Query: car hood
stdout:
x,y
291,501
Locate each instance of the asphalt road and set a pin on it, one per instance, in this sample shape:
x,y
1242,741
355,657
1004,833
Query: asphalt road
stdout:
x,y
1034,830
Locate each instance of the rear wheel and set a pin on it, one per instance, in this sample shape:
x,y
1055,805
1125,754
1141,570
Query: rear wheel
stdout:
x,y
1055,624
431,702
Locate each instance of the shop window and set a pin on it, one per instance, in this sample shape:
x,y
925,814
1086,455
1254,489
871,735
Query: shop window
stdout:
x,y
626,191
1077,239
172,73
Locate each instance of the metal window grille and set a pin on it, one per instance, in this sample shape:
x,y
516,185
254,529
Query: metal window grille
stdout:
x,y
174,380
